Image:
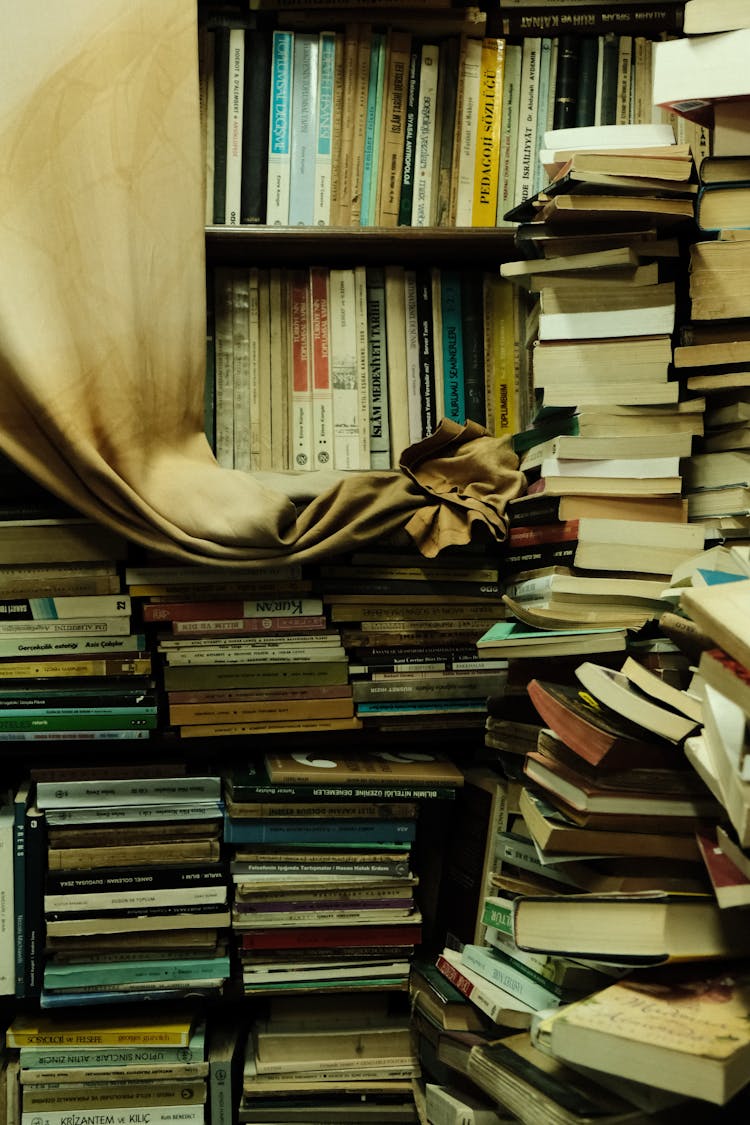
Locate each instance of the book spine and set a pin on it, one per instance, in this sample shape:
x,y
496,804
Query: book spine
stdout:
x,y
624,80
301,398
279,130
250,608
235,104
406,194
276,832
134,813
302,144
588,59
106,901
427,375
525,155
511,979
540,177
501,397
421,208
240,405
595,20
7,901
392,157
221,100
343,357
454,403
324,131
471,991
39,1059
449,65
138,790
72,645
322,390
62,608
377,355
364,394
372,131
465,137
124,879
257,87
487,157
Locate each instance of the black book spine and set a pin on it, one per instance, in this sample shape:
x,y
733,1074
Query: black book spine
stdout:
x,y
527,515
472,332
134,879
255,127
586,92
595,20
410,139
429,407
610,49
542,554
221,98
35,830
566,82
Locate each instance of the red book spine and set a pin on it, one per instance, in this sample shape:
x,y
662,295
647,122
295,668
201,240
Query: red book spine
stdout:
x,y
562,532
320,937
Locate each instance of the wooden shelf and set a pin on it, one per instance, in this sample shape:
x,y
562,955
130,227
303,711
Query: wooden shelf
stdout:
x,y
477,247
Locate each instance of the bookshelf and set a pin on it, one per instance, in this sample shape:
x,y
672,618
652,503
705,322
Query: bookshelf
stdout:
x,y
460,732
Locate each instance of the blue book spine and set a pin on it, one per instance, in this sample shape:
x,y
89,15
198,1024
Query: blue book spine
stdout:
x,y
280,129
454,404
136,996
313,832
304,127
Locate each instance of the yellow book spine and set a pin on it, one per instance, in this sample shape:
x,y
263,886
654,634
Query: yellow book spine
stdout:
x,y
503,404
487,158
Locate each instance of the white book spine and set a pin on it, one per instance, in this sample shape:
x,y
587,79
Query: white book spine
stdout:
x,y
124,900
451,1107
126,1115
303,131
380,444
467,135
343,355
324,131
545,62
363,368
421,211
241,370
234,126
254,362
223,367
525,152
280,128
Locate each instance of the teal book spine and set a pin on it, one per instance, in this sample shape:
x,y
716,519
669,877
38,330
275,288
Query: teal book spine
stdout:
x,y
454,404
324,129
372,131
134,972
280,129
313,832
105,719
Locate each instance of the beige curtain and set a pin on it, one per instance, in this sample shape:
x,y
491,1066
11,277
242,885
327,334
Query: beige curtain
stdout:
x,y
102,312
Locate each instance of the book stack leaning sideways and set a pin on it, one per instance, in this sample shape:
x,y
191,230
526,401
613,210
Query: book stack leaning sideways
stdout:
x,y
115,1065
135,901
603,455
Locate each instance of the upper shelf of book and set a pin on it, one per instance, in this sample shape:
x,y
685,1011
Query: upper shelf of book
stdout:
x,y
483,247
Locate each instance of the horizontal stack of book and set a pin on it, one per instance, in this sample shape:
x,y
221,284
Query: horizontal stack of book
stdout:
x,y
321,861
351,1061
396,118
149,1069
409,627
248,652
135,902
345,367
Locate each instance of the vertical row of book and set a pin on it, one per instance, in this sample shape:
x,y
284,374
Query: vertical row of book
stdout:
x,y
360,121
344,368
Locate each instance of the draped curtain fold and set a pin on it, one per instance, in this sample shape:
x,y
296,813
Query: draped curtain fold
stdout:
x,y
102,313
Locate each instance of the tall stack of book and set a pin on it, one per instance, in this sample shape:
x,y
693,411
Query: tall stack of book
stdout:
x,y
246,652
603,457
135,893
321,861
123,1067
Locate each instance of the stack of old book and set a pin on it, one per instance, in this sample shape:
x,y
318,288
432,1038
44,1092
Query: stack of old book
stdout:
x,y
409,626
243,651
603,457
135,901
321,861
351,1060
113,1067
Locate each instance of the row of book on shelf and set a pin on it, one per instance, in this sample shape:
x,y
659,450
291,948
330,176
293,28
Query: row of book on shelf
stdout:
x,y
346,367
364,126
